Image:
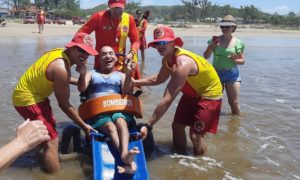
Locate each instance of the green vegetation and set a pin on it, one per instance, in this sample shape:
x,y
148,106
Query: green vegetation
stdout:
x,y
192,11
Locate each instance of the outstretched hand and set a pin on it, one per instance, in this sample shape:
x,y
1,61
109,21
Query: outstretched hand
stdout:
x,y
31,134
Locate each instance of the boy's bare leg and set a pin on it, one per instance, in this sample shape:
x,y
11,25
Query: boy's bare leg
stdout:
x,y
124,138
110,129
126,156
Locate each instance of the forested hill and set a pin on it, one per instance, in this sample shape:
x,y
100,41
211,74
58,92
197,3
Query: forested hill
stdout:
x,y
209,13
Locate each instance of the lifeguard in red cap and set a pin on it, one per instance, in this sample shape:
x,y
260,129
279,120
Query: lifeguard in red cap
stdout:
x,y
51,73
112,27
199,107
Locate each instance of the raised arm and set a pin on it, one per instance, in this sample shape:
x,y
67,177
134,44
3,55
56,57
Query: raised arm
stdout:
x,y
210,49
84,79
61,75
178,78
28,135
127,82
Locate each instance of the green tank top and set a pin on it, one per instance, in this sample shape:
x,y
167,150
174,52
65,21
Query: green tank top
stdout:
x,y
220,55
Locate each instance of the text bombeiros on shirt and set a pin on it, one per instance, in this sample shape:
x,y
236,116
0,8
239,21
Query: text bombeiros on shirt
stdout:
x,y
117,102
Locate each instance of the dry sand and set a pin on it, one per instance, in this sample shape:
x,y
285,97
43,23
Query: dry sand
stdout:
x,y
51,30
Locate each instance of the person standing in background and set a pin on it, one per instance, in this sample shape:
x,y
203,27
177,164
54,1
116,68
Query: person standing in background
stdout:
x,y
40,19
112,27
228,53
141,24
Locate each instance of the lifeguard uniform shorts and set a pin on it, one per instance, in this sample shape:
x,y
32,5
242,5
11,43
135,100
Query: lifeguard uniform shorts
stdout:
x,y
202,115
40,111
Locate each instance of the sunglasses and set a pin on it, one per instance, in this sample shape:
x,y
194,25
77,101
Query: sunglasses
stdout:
x,y
81,50
225,27
161,43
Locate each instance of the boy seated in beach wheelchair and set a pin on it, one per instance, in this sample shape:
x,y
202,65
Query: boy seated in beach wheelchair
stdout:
x,y
108,106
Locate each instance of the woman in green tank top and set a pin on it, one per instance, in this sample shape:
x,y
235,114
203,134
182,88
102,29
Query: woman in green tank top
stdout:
x,y
228,53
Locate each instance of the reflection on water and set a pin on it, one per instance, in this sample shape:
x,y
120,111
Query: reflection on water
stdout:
x,y
40,49
261,144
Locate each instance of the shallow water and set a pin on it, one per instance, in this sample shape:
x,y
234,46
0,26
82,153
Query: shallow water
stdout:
x,y
261,144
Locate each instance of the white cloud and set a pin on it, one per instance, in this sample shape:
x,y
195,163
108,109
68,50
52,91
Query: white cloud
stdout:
x,y
147,2
280,10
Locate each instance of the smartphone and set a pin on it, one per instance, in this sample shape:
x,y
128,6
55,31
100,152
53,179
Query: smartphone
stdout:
x,y
215,39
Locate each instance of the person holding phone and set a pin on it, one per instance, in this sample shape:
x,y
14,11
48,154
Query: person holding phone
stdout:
x,y
228,53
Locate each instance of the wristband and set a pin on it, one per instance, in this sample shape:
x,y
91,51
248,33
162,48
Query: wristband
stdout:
x,y
149,127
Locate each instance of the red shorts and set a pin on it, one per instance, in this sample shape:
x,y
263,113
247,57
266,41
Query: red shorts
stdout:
x,y
41,21
202,115
41,111
143,43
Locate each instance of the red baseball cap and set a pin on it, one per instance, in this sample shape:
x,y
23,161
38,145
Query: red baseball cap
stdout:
x,y
165,33
84,41
116,3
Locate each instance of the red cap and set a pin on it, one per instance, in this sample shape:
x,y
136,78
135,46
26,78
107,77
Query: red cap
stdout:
x,y
165,33
116,3
84,41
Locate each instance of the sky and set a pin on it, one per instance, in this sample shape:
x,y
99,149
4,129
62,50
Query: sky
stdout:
x,y
271,6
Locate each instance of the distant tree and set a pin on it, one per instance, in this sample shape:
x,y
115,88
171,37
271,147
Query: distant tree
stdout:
x,y
227,9
20,3
249,13
39,3
203,7
277,19
292,19
191,7
132,6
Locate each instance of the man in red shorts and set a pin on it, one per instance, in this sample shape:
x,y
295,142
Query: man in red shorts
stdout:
x,y
112,27
40,19
141,24
51,73
199,107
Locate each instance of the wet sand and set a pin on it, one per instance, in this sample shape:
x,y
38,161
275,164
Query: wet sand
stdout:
x,y
52,30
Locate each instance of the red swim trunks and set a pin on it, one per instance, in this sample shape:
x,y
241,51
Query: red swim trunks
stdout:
x,y
202,115
41,111
143,43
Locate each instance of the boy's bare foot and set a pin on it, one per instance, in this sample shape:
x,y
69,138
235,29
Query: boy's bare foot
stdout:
x,y
128,159
128,169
